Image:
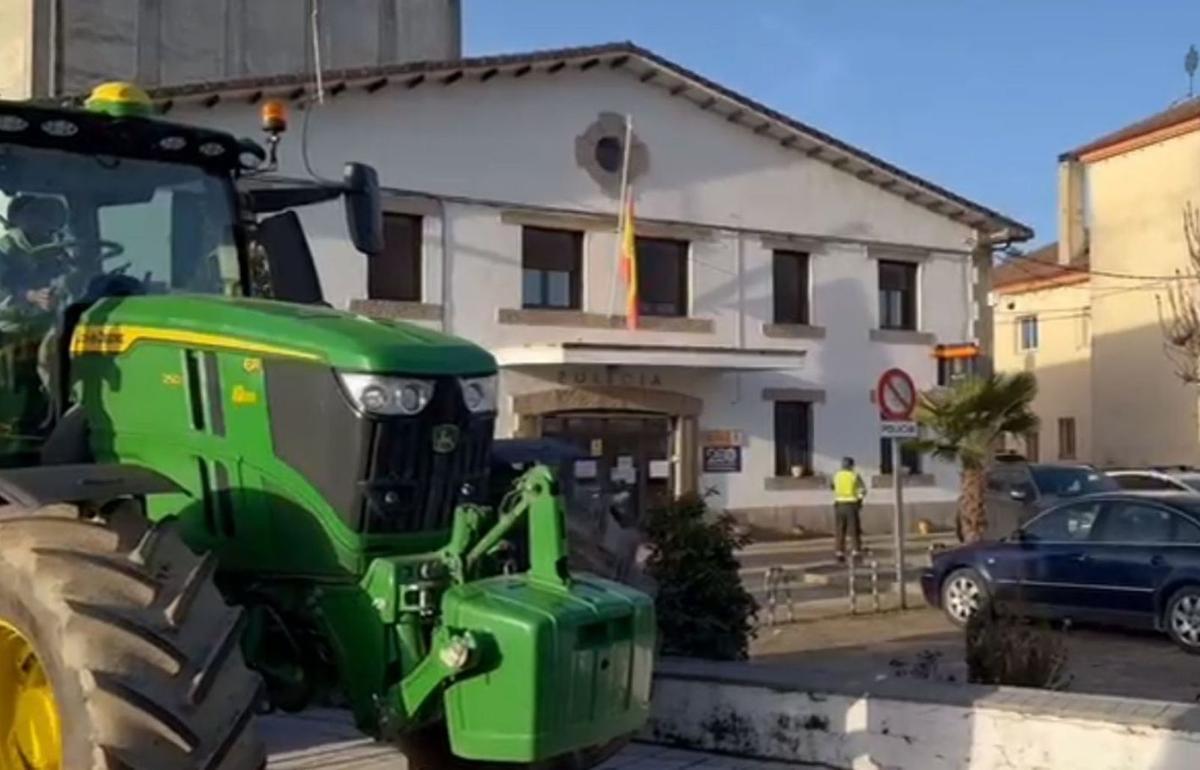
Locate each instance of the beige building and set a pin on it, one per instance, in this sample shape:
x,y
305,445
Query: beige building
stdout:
x,y
1121,204
1042,315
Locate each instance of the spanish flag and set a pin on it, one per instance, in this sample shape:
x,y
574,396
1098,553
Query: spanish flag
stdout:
x,y
629,263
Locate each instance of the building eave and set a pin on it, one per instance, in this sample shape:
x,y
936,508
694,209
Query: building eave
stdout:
x,y
655,355
625,57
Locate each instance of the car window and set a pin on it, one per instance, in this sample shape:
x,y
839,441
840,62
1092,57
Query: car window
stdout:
x,y
1067,523
1068,481
1186,530
1136,523
1142,481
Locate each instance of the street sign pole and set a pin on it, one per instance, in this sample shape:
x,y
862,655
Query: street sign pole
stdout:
x,y
896,396
898,523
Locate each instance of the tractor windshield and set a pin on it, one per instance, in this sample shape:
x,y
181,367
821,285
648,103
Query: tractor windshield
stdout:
x,y
70,218
76,226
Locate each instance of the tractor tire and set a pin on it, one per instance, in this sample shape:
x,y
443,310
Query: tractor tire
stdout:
x,y
137,654
429,749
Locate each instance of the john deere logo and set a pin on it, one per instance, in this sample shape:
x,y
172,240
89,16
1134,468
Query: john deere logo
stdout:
x,y
445,438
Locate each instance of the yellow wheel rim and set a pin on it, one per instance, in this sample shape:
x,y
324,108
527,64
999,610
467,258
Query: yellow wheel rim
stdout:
x,y
30,734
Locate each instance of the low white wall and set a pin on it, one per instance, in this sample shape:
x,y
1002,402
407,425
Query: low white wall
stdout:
x,y
774,713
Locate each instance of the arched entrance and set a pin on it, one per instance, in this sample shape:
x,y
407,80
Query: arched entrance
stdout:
x,y
640,442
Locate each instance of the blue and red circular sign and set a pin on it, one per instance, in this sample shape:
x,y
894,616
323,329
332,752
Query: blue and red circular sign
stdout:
x,y
896,395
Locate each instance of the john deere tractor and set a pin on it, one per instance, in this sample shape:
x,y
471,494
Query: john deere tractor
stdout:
x,y
216,504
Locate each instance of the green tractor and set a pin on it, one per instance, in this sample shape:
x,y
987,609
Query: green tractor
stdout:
x,y
216,505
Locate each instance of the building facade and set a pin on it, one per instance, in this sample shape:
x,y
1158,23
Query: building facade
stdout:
x,y
1122,200
1042,313
53,47
781,270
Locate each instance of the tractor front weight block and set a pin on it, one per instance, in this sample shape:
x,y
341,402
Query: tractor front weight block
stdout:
x,y
532,665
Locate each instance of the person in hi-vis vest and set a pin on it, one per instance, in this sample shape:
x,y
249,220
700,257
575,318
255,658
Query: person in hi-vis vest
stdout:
x,y
848,493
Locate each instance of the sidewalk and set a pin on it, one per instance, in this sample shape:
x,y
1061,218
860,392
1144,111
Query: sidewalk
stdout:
x,y
325,740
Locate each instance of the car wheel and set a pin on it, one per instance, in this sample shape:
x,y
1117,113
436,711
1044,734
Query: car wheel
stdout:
x,y
964,593
1182,619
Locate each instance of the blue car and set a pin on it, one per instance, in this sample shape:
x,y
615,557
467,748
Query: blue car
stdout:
x,y
1124,558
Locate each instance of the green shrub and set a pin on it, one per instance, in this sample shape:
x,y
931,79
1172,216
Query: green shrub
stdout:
x,y
703,609
1004,650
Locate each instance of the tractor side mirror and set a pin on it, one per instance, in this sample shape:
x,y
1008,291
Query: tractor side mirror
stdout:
x,y
364,210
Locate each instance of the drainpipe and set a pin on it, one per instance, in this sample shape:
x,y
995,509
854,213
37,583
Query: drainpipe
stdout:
x,y
447,303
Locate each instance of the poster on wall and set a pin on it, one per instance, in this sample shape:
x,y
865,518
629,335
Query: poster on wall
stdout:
x,y
722,459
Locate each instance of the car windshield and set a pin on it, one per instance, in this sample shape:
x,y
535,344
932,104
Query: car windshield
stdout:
x,y
1192,480
1067,482
69,218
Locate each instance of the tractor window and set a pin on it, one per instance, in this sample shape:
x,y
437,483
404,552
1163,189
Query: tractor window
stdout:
x,y
168,225
179,240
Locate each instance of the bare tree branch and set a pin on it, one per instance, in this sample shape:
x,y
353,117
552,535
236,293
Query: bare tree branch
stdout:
x,y
1180,319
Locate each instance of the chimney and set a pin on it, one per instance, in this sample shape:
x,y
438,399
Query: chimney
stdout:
x,y
1072,231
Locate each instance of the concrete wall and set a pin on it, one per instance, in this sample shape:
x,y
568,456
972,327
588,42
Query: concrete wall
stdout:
x,y
1136,227
159,42
768,712
485,165
1062,360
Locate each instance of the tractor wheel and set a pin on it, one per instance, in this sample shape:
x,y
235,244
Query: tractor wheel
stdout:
x,y
429,749
117,652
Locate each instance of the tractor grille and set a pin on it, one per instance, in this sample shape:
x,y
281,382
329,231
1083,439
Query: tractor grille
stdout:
x,y
415,475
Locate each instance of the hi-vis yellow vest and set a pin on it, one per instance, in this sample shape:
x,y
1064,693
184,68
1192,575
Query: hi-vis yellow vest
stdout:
x,y
845,487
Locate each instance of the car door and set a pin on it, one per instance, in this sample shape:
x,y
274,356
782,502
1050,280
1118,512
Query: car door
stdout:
x,y
1052,557
1128,559
1005,512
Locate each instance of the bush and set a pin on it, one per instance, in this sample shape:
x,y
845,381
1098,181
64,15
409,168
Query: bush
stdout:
x,y
1004,650
703,609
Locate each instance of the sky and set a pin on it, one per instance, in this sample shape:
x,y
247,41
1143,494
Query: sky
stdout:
x,y
980,97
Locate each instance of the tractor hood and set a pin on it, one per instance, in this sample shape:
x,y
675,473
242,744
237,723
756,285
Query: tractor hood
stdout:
x,y
342,340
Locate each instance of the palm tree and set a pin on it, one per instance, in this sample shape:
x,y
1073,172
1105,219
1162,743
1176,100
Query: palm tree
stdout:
x,y
964,422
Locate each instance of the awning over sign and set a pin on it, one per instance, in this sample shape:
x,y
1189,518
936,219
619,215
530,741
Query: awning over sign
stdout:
x,y
582,353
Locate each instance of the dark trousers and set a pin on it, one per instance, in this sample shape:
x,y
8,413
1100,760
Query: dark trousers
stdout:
x,y
846,517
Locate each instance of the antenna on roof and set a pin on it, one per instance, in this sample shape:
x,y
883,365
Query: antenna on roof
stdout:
x,y
1190,62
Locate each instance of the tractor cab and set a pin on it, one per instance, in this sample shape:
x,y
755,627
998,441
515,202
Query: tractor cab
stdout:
x,y
110,201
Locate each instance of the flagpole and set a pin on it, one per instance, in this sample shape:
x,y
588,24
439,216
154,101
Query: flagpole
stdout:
x,y
622,208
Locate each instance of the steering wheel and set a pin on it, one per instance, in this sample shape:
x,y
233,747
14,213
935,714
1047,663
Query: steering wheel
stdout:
x,y
108,249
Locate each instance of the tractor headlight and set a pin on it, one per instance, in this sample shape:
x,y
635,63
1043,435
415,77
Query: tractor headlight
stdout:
x,y
387,395
479,393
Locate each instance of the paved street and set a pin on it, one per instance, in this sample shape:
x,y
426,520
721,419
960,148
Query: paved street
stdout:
x,y
325,740
866,648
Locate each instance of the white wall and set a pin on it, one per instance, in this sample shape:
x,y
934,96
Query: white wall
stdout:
x,y
512,141
773,713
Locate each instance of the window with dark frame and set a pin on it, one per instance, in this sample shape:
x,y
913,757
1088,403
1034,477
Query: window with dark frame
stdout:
x,y
1032,452
790,286
953,369
910,458
662,274
1066,438
551,268
897,295
1028,332
793,438
395,274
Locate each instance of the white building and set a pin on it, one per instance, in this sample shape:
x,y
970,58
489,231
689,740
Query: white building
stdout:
x,y
781,269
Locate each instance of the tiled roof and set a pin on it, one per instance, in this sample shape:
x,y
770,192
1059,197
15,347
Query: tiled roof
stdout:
x,y
1037,269
1184,116
648,67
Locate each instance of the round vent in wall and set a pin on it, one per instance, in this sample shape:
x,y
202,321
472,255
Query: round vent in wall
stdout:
x,y
600,151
